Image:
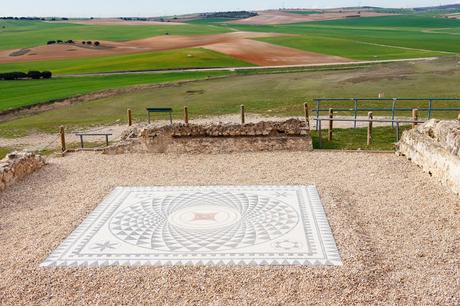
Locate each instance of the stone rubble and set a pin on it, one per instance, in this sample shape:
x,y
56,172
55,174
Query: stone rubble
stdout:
x,y
17,165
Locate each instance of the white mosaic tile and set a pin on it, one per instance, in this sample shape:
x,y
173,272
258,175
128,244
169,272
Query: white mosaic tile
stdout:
x,y
219,225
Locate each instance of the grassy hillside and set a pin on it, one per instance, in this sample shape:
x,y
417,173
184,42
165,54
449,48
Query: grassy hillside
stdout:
x,y
269,94
17,94
181,58
25,34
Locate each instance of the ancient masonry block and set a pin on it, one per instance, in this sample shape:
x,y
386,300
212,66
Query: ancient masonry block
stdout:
x,y
293,135
435,147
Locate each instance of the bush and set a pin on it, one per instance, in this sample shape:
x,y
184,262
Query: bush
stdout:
x,y
35,75
51,42
96,43
47,74
16,75
89,42
13,76
59,41
70,41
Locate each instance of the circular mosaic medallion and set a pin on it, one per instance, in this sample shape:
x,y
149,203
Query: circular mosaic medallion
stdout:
x,y
199,222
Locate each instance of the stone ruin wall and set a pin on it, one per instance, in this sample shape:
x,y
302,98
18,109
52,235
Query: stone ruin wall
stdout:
x,y
291,135
17,165
435,147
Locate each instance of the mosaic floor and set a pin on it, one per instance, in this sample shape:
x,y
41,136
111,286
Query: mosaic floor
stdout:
x,y
220,225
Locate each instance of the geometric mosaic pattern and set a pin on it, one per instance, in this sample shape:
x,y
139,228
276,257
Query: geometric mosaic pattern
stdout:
x,y
215,225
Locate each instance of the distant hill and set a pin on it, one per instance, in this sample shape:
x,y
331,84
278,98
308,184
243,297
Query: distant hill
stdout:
x,y
439,7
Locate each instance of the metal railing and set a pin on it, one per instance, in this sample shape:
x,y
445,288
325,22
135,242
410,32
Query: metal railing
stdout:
x,y
395,122
393,109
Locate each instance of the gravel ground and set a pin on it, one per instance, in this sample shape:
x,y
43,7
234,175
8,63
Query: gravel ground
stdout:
x,y
397,230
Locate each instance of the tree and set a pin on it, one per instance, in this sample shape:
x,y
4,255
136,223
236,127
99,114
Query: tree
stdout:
x,y
34,75
47,74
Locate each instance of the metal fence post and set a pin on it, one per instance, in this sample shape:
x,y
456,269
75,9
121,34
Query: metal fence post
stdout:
x,y
317,111
393,112
355,111
242,114
430,108
320,136
397,131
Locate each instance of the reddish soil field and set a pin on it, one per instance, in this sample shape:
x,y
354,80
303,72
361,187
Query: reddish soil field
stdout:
x,y
279,17
265,54
236,44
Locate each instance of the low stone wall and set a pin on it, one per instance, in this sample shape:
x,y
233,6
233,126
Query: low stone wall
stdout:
x,y
435,146
292,135
17,165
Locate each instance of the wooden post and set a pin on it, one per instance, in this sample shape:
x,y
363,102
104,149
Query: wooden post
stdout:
x,y
62,132
369,129
414,117
306,113
130,117
186,115
242,114
331,124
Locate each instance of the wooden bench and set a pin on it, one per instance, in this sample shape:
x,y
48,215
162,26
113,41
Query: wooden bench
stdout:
x,y
81,135
160,110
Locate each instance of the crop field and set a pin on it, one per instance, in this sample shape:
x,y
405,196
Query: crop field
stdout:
x,y
376,35
26,34
17,94
277,94
181,58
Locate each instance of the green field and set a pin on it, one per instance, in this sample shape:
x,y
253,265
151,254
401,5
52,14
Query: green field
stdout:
x,y
277,94
383,37
16,94
180,58
26,34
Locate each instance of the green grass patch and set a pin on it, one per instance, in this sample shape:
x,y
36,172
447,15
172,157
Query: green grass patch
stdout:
x,y
384,139
347,48
26,34
181,58
16,94
4,151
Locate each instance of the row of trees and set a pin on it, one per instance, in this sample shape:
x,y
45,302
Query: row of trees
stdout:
x,y
59,41
34,75
89,42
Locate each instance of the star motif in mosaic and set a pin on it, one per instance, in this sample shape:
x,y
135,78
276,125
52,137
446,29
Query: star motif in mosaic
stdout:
x,y
104,246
